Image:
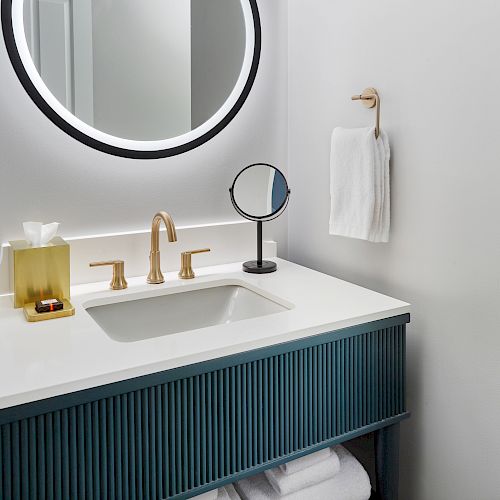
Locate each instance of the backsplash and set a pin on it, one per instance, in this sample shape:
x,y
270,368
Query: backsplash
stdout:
x,y
228,241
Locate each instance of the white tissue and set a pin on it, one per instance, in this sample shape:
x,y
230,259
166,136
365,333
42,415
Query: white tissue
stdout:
x,y
38,234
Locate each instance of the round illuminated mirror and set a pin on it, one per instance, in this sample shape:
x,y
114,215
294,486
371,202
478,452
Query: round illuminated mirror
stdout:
x,y
260,193
139,79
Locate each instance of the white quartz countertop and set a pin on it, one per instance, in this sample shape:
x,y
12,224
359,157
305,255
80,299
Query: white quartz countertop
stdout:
x,y
50,358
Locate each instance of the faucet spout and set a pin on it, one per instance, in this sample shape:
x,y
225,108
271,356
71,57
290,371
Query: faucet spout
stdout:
x,y
155,275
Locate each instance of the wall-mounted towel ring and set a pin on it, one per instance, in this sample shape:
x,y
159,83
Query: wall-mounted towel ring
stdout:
x,y
370,99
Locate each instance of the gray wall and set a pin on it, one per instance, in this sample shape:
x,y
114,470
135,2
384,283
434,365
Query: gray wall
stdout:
x,y
434,63
217,51
46,175
142,70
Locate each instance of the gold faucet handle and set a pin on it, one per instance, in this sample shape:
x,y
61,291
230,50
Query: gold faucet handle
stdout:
x,y
118,281
186,272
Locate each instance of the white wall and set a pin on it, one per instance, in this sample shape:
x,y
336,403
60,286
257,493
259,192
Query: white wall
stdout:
x,y
435,65
46,175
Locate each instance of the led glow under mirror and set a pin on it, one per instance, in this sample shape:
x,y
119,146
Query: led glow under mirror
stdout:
x,y
139,79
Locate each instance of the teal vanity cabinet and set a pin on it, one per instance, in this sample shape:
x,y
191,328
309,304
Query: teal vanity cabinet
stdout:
x,y
181,432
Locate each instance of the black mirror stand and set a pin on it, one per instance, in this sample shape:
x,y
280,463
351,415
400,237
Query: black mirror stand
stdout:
x,y
259,266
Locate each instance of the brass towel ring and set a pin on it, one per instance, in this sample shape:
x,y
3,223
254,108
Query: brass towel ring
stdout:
x,y
370,99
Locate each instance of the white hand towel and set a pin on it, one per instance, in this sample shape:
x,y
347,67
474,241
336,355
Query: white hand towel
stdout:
x,y
351,483
306,461
359,184
317,473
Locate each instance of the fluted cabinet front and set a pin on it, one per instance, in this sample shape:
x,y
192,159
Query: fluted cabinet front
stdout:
x,y
208,427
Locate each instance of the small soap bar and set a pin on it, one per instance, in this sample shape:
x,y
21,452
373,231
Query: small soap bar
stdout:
x,y
48,305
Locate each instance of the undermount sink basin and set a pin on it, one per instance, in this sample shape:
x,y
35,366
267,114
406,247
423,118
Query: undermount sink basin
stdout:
x,y
142,318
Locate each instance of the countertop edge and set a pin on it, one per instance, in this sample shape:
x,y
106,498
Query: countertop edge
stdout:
x,y
9,402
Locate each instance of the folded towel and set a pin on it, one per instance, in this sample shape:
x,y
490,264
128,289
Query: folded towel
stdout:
x,y
351,483
304,462
228,493
223,494
209,495
359,184
317,473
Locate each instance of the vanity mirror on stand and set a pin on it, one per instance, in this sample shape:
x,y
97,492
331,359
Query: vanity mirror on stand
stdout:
x,y
260,193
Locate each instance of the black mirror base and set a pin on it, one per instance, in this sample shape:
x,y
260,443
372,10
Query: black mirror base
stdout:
x,y
266,266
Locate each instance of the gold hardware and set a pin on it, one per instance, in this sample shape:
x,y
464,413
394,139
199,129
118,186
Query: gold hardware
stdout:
x,y
32,315
118,281
39,273
370,99
155,275
186,272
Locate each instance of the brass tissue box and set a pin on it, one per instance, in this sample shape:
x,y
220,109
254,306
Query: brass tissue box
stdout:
x,y
39,273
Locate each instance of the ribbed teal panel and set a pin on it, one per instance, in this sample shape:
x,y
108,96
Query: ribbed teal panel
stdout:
x,y
169,439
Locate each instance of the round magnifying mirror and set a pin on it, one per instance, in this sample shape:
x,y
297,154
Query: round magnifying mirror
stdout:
x,y
260,193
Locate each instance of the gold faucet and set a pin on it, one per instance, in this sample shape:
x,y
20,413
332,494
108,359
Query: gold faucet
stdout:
x,y
155,275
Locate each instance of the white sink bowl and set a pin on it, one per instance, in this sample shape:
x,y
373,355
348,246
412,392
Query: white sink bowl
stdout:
x,y
132,318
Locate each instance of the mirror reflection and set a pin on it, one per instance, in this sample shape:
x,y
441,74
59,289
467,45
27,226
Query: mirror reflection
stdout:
x,y
147,70
260,190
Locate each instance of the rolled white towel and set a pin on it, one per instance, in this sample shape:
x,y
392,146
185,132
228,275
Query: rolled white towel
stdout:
x,y
284,484
209,495
304,462
223,494
229,493
351,483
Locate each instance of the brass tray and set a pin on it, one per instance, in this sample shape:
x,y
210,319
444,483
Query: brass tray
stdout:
x,y
32,315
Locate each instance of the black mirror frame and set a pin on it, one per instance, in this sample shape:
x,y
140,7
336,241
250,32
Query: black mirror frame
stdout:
x,y
264,218
10,43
